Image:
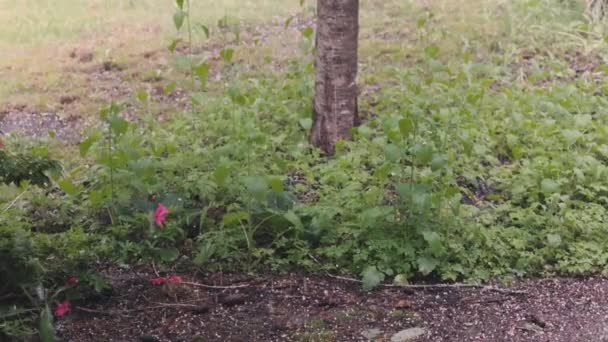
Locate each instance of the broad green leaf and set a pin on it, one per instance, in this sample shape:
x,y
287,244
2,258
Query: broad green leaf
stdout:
x,y
426,265
235,217
85,146
294,219
307,32
400,280
434,241
202,72
257,187
68,187
178,19
371,278
119,125
306,123
554,240
276,184
406,127
423,153
221,173
571,136
549,186
392,153
168,254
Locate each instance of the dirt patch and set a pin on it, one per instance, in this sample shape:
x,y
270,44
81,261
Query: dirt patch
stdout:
x,y
40,125
320,308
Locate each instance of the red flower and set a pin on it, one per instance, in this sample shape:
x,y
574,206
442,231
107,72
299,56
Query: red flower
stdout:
x,y
72,280
62,308
160,215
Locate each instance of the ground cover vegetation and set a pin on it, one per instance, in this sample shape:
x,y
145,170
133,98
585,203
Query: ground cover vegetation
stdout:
x,y
481,155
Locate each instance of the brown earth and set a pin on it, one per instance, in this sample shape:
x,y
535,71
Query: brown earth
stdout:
x,y
322,308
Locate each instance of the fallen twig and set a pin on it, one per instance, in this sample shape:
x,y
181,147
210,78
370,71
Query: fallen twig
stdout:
x,y
438,286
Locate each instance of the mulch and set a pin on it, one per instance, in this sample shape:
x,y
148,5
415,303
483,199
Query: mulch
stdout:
x,y
300,307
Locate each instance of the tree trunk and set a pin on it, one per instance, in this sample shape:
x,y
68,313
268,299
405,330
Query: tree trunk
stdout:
x,y
335,102
596,9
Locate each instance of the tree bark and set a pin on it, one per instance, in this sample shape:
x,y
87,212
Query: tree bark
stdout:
x,y
335,103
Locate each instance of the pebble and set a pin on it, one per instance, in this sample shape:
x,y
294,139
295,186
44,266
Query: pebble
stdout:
x,y
371,334
408,335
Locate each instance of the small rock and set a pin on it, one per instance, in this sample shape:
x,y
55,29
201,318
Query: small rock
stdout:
x,y
408,335
371,334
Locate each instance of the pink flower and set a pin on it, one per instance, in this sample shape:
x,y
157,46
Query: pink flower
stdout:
x,y
72,280
160,215
158,281
175,279
62,308
161,280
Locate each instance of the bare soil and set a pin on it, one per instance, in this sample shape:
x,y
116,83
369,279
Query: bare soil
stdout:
x,y
297,307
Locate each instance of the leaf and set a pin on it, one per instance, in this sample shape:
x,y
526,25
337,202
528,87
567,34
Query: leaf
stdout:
x,y
406,127
423,153
306,123
205,30
427,265
142,95
202,72
234,217
400,280
169,88
227,54
392,153
46,331
371,278
178,19
276,184
554,240
257,187
434,241
431,51
288,21
168,254
180,4
68,187
294,219
549,186
220,174
307,32
85,146
119,125
571,136
183,63
174,44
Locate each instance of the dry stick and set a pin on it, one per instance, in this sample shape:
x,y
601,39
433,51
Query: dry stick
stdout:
x,y
436,286
156,306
